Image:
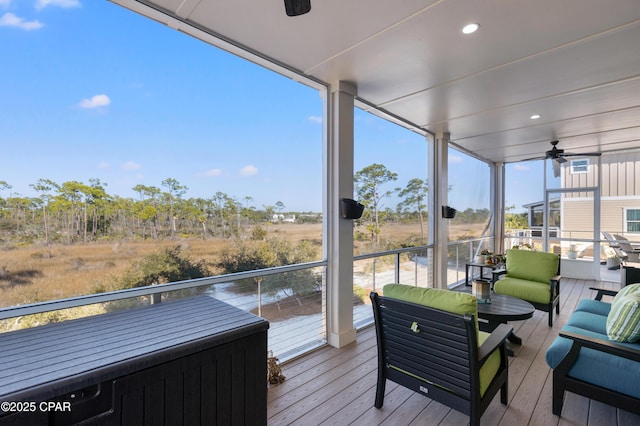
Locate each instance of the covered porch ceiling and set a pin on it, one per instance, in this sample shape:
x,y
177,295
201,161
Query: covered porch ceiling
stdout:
x,y
576,63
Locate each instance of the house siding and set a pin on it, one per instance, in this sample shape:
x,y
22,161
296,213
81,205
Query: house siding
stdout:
x,y
578,214
619,190
577,218
620,175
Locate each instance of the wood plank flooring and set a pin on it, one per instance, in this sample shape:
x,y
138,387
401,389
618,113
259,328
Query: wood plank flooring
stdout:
x,y
337,386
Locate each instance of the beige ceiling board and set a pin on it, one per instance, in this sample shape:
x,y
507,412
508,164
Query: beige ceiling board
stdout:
x,y
591,106
502,148
559,73
429,51
332,27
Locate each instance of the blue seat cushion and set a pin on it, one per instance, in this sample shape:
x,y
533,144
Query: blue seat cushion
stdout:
x,y
594,306
601,369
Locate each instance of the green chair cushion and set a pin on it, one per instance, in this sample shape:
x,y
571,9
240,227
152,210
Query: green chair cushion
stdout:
x,y
491,366
531,291
454,302
445,300
530,265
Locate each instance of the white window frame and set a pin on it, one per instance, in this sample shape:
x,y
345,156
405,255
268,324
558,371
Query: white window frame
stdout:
x,y
627,221
577,169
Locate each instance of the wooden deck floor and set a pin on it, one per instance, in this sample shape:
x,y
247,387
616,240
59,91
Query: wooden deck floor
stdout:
x,y
337,386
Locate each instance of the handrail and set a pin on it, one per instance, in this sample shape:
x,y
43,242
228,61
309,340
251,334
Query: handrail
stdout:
x,y
90,299
390,252
470,240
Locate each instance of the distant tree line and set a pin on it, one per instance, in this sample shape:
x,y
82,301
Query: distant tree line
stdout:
x,y
78,212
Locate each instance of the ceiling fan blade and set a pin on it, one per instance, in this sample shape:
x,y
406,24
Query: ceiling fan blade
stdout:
x,y
586,154
560,160
556,168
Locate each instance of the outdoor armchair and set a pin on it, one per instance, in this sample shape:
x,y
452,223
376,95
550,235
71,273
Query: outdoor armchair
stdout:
x,y
630,254
533,276
597,352
428,341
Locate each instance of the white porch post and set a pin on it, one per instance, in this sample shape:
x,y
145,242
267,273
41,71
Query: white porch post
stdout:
x,y
497,172
339,184
438,197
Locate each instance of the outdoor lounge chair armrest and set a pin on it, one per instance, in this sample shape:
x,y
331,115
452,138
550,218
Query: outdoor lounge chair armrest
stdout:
x,y
497,272
603,292
497,338
555,278
601,345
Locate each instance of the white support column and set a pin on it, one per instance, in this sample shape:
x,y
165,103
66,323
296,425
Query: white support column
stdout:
x,y
438,197
339,179
497,206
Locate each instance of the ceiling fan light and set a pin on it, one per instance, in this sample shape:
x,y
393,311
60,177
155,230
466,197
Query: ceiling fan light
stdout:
x,y
470,28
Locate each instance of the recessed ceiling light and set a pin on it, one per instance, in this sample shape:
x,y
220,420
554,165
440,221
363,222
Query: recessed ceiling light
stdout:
x,y
535,116
470,28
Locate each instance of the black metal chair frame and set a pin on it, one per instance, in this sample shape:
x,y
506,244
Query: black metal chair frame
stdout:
x,y
436,354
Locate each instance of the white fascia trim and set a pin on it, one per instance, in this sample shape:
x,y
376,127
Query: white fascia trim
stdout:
x,y
386,115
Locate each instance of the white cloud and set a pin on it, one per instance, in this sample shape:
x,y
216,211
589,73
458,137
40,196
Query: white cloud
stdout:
x,y
95,102
11,20
66,4
103,165
249,170
212,173
314,119
455,159
521,168
131,166
5,3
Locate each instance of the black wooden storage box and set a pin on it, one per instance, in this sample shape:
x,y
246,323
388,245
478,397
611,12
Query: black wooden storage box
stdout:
x,y
190,361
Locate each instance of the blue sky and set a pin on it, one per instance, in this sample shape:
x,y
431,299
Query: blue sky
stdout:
x,y
92,90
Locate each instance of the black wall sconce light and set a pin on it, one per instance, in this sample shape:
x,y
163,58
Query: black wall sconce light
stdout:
x,y
297,7
350,209
448,212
